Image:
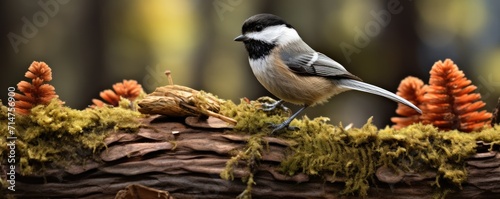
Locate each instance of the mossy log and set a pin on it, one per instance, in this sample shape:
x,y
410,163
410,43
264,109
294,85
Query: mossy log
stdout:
x,y
167,154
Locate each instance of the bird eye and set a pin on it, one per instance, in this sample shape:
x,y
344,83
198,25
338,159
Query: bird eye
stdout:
x,y
258,28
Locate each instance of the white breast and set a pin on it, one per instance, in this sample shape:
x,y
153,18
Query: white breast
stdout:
x,y
290,87
260,66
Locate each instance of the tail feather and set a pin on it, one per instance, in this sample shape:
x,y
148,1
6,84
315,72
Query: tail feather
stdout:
x,y
368,88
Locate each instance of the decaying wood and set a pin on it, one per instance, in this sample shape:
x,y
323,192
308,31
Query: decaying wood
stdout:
x,y
186,162
181,101
138,191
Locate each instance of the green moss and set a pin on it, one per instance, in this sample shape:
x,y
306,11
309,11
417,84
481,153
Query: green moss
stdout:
x,y
353,155
60,135
205,102
425,147
251,155
253,121
131,105
318,148
324,148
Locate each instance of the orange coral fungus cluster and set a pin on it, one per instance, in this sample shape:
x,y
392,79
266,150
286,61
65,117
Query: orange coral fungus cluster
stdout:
x,y
129,89
448,102
37,92
412,89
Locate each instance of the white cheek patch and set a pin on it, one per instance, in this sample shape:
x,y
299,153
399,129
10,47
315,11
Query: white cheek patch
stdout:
x,y
275,34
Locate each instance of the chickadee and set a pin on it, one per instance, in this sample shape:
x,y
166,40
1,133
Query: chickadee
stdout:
x,y
291,70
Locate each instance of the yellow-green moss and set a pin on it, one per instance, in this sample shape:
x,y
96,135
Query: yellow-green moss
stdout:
x,y
354,154
57,134
318,148
204,102
131,105
251,155
253,121
324,148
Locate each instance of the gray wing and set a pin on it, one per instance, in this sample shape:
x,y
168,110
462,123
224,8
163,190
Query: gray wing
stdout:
x,y
315,63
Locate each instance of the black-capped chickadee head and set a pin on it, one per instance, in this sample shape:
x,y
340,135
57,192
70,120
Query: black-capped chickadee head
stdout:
x,y
261,33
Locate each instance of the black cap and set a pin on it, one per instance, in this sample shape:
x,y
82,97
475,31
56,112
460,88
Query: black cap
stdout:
x,y
260,21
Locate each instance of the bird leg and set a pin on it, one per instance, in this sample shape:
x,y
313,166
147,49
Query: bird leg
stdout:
x,y
271,106
286,123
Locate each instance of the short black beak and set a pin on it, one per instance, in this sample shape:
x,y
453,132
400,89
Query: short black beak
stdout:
x,y
241,38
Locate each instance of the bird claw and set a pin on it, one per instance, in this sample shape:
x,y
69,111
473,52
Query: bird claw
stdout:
x,y
282,126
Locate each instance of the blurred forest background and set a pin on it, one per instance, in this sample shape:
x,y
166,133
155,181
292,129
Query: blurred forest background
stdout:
x,y
93,44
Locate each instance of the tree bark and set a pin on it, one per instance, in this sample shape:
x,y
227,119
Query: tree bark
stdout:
x,y
169,155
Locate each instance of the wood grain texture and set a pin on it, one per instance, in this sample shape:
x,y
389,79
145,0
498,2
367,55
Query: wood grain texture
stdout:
x,y
187,164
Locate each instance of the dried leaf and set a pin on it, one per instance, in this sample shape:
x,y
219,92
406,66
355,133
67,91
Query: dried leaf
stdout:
x,y
182,101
